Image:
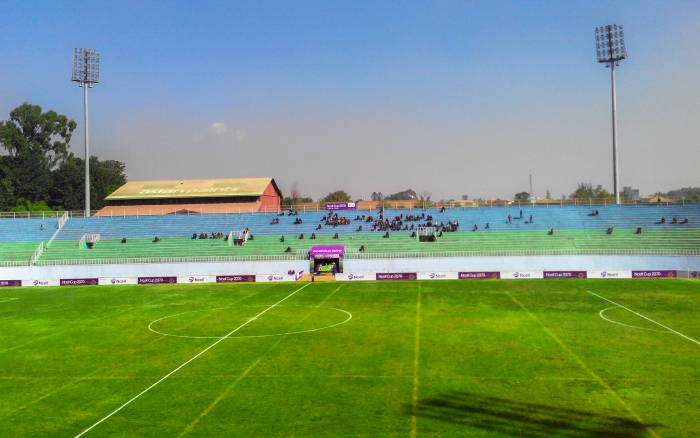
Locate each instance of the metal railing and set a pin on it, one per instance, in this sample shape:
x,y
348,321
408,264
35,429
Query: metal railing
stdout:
x,y
524,253
13,263
363,206
37,253
156,260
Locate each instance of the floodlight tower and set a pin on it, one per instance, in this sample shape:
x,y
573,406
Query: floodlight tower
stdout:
x,y
86,71
610,45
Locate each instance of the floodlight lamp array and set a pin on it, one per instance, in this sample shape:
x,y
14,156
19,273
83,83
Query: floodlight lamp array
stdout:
x,y
610,44
86,66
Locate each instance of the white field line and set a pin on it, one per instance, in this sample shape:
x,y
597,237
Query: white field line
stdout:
x,y
627,325
252,336
648,319
190,360
8,299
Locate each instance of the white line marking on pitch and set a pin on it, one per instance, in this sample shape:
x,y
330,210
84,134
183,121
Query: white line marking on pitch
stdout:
x,y
648,319
190,360
8,299
150,326
627,325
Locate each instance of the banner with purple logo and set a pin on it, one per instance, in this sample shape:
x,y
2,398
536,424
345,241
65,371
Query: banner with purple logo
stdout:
x,y
275,277
654,274
331,250
115,281
565,274
435,275
194,279
235,278
79,281
362,276
483,275
609,274
10,283
521,275
341,206
396,275
39,282
157,280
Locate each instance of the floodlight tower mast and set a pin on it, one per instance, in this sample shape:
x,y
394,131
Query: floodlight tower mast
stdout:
x,y
86,71
610,44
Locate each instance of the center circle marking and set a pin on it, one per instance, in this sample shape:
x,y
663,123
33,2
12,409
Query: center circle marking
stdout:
x,y
150,326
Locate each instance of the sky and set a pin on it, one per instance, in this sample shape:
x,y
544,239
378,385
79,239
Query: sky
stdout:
x,y
449,97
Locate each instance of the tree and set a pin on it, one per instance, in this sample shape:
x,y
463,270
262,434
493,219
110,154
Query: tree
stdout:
x,y
295,192
406,195
586,191
465,197
549,196
522,196
377,196
36,143
68,190
337,196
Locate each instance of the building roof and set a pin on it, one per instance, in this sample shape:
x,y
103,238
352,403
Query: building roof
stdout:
x,y
193,188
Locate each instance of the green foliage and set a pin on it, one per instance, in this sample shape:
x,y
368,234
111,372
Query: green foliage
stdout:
x,y
337,196
39,167
406,195
587,191
522,196
288,201
24,205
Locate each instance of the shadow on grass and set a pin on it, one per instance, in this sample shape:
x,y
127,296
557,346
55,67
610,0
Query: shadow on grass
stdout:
x,y
513,418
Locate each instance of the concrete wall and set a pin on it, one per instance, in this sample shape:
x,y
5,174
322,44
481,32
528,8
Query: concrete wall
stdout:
x,y
539,263
532,263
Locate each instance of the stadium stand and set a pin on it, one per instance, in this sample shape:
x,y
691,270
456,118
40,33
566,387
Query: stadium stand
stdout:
x,y
577,229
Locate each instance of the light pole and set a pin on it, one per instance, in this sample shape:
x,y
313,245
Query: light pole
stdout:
x,y
86,71
610,45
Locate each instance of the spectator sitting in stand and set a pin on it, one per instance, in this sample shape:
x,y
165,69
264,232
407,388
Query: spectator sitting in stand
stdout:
x,y
319,227
289,249
663,220
282,239
42,227
194,235
551,232
413,234
362,248
610,230
301,236
674,220
123,239
359,228
386,236
487,226
685,221
313,236
157,239
639,230
335,236
476,227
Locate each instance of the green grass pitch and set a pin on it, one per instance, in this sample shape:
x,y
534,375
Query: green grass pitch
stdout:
x,y
376,359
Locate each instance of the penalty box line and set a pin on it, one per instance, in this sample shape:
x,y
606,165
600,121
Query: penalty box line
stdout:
x,y
190,360
648,319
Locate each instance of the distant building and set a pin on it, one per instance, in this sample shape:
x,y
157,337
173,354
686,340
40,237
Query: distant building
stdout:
x,y
630,193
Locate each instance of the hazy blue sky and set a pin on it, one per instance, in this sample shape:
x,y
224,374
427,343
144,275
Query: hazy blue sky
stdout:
x,y
443,96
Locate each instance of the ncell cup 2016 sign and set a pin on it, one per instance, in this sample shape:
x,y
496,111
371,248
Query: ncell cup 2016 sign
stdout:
x,y
342,206
396,276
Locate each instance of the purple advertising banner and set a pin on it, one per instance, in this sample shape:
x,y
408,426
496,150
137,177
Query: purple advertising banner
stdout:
x,y
235,278
396,276
341,206
10,283
327,250
654,274
565,274
478,275
79,281
157,280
